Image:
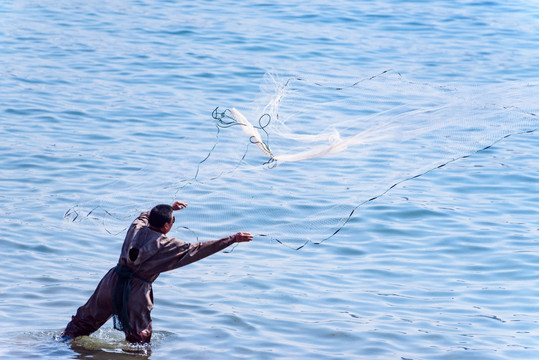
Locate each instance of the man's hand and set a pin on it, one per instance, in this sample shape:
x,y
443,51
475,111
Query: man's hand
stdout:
x,y
243,237
178,205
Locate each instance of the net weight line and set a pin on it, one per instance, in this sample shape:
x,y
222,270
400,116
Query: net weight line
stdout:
x,y
350,215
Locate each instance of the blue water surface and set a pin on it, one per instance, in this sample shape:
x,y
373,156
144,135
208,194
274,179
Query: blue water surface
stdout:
x,y
106,109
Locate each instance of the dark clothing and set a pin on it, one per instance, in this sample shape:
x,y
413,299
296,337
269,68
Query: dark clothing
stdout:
x,y
120,297
145,253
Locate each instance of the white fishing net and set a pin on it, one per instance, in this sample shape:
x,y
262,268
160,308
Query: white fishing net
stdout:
x,y
295,166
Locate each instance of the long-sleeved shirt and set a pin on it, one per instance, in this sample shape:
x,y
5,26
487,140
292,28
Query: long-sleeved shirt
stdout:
x,y
147,253
157,253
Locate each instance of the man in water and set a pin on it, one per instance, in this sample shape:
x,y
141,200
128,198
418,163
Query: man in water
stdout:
x,y
125,292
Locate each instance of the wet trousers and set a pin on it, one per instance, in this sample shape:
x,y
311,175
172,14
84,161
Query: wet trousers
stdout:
x,y
98,310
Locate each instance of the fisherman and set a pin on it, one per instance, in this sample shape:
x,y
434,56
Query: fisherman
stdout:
x,y
125,292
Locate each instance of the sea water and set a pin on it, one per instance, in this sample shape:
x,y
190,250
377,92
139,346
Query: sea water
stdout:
x,y
108,105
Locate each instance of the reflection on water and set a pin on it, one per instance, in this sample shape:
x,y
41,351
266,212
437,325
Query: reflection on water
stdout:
x,y
101,349
106,343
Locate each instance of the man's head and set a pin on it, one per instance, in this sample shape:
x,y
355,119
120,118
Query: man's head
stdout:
x,y
162,218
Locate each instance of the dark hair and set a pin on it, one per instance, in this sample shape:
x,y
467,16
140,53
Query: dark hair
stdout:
x,y
160,215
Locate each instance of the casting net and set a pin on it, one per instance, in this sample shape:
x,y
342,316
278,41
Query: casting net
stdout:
x,y
295,166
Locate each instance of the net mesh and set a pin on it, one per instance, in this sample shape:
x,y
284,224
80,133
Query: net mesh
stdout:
x,y
295,166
